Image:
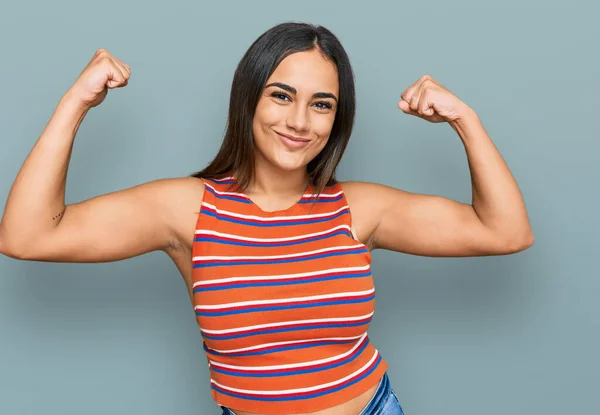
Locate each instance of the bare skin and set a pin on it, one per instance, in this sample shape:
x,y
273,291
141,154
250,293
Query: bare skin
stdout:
x,y
162,214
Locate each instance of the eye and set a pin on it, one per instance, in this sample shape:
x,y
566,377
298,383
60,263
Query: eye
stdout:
x,y
280,95
323,105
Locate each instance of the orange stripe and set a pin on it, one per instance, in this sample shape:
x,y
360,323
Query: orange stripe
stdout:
x,y
318,376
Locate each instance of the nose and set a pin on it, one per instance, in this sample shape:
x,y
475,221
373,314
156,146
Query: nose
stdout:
x,y
297,118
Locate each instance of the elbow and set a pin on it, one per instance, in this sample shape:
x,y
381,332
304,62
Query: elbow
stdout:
x,y
9,248
520,242
11,251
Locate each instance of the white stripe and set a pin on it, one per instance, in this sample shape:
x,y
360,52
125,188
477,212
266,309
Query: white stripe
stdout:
x,y
281,277
324,195
305,195
285,300
317,251
288,323
274,218
293,365
226,193
267,345
299,390
223,179
292,238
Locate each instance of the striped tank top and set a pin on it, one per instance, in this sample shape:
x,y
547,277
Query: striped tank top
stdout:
x,y
283,300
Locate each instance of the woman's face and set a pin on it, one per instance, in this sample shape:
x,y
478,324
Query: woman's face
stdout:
x,y
296,110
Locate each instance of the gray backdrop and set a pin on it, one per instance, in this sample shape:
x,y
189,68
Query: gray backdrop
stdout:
x,y
514,334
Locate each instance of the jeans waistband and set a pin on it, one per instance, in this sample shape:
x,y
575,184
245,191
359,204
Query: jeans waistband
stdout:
x,y
380,396
378,399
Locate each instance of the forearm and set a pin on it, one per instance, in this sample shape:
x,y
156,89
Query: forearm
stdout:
x,y
36,200
496,197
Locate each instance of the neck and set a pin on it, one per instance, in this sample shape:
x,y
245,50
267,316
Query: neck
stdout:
x,y
272,181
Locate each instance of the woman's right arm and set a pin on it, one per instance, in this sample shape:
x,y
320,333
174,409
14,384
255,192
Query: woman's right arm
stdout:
x,y
37,225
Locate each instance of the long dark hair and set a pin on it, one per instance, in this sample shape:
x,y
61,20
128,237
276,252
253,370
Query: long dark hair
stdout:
x,y
236,154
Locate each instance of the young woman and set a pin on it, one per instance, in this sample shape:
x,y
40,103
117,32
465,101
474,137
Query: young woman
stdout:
x,y
275,252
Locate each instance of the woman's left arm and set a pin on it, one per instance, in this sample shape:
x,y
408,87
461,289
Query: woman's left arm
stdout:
x,y
496,222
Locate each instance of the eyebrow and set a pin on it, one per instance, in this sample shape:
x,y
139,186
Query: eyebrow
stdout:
x,y
292,90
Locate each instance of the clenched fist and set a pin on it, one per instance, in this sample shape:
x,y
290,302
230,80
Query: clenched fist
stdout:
x,y
429,100
102,73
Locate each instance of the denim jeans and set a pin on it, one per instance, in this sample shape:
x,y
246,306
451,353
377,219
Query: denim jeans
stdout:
x,y
383,402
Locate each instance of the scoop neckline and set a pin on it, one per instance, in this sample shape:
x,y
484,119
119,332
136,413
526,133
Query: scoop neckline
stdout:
x,y
309,190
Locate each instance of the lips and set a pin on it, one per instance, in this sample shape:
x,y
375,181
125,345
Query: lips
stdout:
x,y
291,142
291,137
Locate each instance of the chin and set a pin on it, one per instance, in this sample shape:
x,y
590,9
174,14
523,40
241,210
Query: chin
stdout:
x,y
288,162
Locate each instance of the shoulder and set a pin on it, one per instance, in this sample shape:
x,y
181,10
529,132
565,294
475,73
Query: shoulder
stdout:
x,y
364,201
358,193
172,199
184,184
176,191
179,200
369,202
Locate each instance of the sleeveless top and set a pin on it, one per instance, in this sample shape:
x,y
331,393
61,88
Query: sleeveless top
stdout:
x,y
283,300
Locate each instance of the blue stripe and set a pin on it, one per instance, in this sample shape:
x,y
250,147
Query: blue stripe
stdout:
x,y
294,372
296,398
270,224
322,199
284,329
276,283
278,261
228,197
279,349
283,307
219,240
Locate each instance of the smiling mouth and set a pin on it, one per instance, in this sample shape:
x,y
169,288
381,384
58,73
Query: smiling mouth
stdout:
x,y
291,137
